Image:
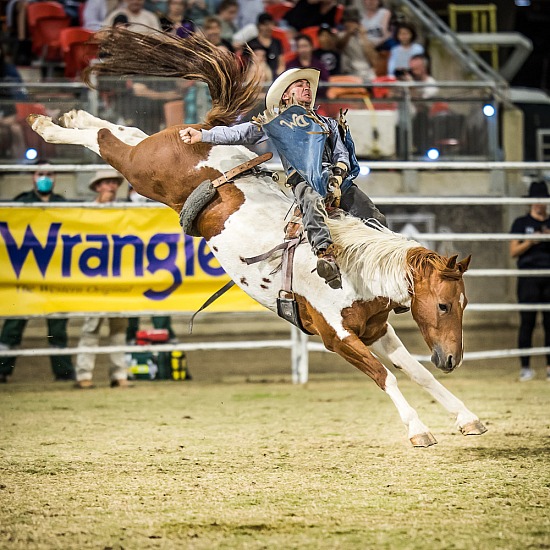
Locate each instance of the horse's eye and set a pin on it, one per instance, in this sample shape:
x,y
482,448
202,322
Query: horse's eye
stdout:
x,y
443,308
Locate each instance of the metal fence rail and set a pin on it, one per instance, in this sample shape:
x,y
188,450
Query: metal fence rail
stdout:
x,y
298,343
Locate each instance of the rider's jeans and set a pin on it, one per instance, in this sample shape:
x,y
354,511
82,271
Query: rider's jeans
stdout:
x,y
314,216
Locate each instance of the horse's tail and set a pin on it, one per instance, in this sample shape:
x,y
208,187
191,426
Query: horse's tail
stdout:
x,y
234,91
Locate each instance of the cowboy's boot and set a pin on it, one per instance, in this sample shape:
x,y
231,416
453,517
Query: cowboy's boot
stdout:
x,y
327,267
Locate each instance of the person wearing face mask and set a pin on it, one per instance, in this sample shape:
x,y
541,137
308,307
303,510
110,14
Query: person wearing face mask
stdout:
x,y
12,331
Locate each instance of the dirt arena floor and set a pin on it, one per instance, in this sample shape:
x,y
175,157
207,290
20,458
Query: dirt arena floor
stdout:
x,y
240,458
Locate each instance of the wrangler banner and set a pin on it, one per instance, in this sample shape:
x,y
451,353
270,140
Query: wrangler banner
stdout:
x,y
57,260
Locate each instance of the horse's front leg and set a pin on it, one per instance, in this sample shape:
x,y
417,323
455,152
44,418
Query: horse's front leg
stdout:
x,y
391,347
353,350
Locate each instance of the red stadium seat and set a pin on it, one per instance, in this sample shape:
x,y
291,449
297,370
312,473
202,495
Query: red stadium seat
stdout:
x,y
339,14
278,11
32,139
282,35
313,33
78,50
347,92
46,21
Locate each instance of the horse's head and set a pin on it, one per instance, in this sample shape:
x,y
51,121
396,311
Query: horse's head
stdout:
x,y
438,302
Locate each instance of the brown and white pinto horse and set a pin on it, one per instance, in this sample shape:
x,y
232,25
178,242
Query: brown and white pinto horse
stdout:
x,y
380,269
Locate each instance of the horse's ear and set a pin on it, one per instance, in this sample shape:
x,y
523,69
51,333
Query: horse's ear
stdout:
x,y
451,262
463,264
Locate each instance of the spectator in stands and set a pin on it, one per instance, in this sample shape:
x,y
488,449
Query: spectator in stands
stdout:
x,y
311,13
105,183
96,12
174,21
327,52
419,71
251,30
258,58
227,12
249,10
306,59
197,11
272,46
212,29
420,109
358,53
16,23
8,114
401,54
376,21
533,254
12,331
139,19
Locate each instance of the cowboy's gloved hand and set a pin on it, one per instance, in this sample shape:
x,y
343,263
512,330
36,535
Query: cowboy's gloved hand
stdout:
x,y
338,173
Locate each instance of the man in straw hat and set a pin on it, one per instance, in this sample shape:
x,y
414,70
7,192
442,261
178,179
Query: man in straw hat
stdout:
x,y
106,184
533,254
298,87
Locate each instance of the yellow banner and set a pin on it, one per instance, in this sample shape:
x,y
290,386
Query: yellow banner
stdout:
x,y
56,260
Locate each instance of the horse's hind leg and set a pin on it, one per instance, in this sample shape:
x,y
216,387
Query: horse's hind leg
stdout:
x,y
52,133
84,120
391,347
355,352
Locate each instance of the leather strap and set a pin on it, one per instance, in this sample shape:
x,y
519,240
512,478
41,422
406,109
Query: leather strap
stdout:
x,y
245,166
212,298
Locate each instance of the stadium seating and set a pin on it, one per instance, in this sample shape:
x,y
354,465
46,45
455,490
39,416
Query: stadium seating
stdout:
x,y
46,21
78,50
278,11
282,35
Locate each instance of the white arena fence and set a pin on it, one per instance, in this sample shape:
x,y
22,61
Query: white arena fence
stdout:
x,y
299,343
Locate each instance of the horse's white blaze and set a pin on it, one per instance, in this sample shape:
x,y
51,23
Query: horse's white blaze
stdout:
x,y
391,348
461,300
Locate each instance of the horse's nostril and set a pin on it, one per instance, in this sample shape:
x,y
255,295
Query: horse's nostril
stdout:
x,y
450,362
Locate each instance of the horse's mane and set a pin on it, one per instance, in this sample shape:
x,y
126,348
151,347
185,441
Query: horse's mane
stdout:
x,y
381,262
234,90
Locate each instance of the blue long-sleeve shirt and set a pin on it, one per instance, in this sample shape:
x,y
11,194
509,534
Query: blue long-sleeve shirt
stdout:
x,y
247,133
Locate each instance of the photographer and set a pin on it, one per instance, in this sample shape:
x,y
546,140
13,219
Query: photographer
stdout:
x,y
532,254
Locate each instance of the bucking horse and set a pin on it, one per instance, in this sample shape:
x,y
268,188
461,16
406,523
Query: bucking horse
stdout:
x,y
247,215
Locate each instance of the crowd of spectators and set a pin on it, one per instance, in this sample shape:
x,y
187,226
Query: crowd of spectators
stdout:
x,y
361,38
364,39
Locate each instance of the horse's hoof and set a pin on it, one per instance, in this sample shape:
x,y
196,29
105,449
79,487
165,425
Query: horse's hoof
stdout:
x,y
423,440
67,120
473,428
31,119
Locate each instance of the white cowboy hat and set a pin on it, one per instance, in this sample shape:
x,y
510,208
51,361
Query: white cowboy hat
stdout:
x,y
105,175
284,80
